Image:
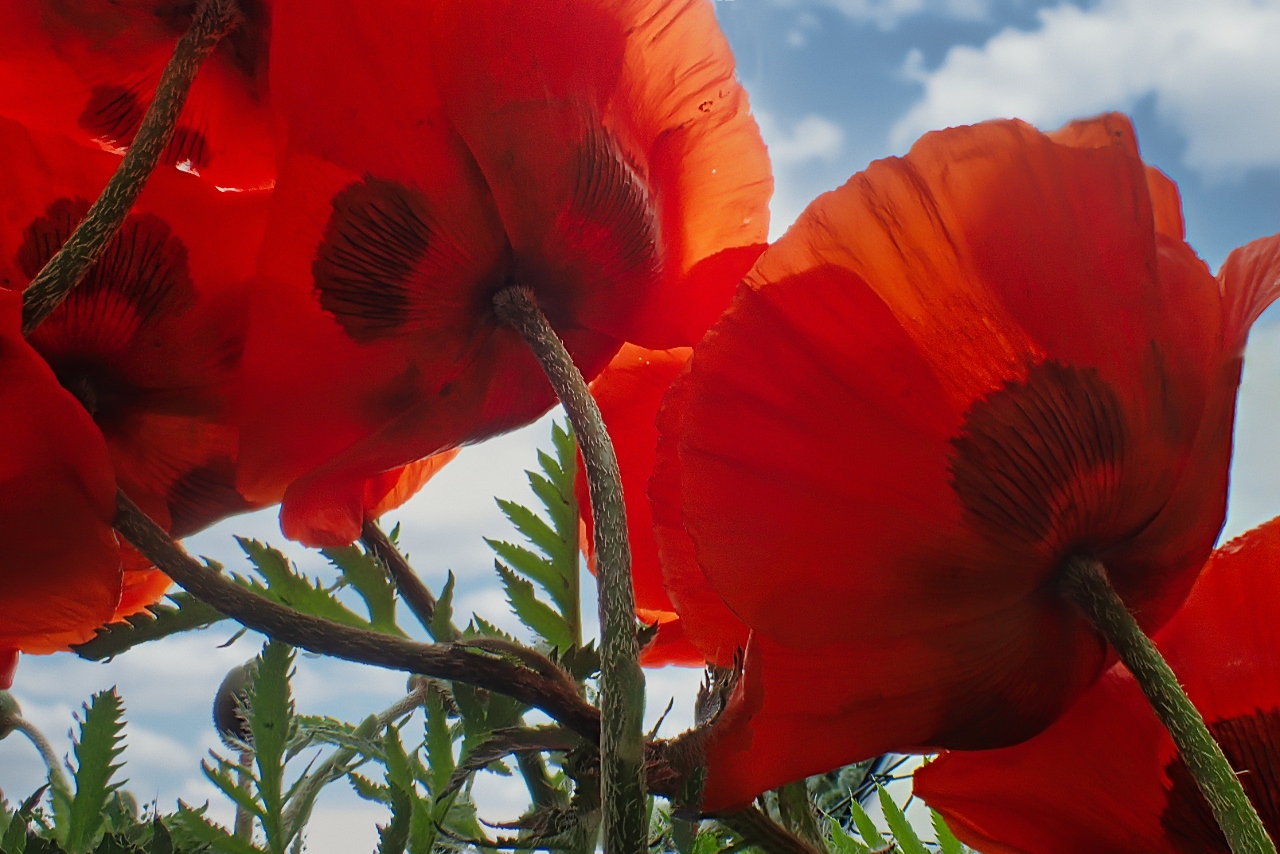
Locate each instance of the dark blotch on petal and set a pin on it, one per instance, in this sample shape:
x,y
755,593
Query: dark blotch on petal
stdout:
x,y
203,496
114,114
1037,462
1252,746
377,236
140,281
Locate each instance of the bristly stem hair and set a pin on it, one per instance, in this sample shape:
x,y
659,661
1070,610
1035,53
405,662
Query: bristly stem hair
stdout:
x,y
625,818
1087,584
68,267
523,674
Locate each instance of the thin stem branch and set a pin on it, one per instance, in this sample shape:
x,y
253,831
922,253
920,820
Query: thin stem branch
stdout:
x,y
758,830
547,688
336,764
621,679
57,777
243,827
1087,584
414,593
213,19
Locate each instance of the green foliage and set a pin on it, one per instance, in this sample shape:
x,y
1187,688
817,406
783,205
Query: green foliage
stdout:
x,y
363,573
96,749
902,831
182,613
550,558
282,583
947,842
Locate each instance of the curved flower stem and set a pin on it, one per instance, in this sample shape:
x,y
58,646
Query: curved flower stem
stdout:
x,y
412,590
213,19
535,681
621,679
57,777
1088,586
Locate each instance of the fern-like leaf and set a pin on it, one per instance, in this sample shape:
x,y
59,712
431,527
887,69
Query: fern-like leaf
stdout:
x,y
902,831
531,611
270,715
182,613
364,574
288,587
98,745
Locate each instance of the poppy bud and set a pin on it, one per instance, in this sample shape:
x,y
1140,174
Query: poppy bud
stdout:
x,y
229,709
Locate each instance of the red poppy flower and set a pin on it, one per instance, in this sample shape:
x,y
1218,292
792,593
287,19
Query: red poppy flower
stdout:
x,y
89,70
150,341
60,570
597,151
629,392
954,372
1106,777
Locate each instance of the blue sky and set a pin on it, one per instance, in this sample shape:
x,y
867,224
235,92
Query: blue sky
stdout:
x,y
835,84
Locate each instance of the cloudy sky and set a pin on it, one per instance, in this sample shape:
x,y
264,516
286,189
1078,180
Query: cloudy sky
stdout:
x,y
835,84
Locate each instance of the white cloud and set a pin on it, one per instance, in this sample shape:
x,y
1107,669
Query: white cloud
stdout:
x,y
811,138
887,14
1211,66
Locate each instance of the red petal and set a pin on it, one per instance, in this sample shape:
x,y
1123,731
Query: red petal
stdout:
x,y
953,372
88,71
8,667
151,339
59,566
1098,779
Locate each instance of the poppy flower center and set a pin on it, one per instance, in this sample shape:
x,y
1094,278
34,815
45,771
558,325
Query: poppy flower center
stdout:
x,y
245,47
1252,746
1037,463
95,337
381,248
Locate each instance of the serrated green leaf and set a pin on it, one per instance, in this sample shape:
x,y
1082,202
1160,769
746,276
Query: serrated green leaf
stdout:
x,y
365,575
99,742
221,777
203,830
582,662
394,835
113,843
161,841
287,587
947,841
396,759
270,715
41,845
866,827
14,839
482,628
532,526
562,508
843,843
531,611
369,790
442,628
538,569
422,830
901,829
566,448
183,612
439,742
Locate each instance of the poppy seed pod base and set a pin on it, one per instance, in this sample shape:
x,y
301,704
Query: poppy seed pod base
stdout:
x,y
1085,582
